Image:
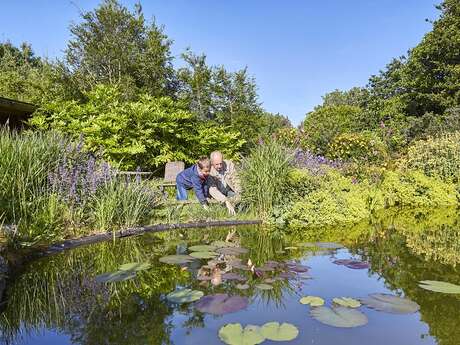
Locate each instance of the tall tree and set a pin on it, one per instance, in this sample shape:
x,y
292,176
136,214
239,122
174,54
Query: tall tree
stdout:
x,y
115,46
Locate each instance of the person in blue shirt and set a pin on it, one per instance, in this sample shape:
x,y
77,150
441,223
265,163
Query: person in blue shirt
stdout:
x,y
194,178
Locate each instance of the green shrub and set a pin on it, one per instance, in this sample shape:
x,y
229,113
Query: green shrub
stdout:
x,y
147,133
413,188
436,157
337,200
264,176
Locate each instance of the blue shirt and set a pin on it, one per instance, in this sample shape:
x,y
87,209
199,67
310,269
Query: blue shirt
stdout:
x,y
190,178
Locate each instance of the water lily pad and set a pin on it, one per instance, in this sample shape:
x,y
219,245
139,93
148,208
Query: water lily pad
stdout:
x,y
233,276
240,266
339,316
203,255
358,265
270,280
390,304
313,301
184,296
220,304
223,244
176,259
438,286
135,266
117,276
343,261
279,332
242,286
202,248
235,334
232,250
298,268
347,302
263,286
287,275
329,245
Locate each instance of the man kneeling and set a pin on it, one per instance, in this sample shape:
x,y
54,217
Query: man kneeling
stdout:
x,y
223,181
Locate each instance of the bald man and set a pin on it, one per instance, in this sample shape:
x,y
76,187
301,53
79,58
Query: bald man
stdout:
x,y
223,181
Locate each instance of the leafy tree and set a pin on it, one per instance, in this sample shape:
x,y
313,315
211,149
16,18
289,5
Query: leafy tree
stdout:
x,y
325,123
117,47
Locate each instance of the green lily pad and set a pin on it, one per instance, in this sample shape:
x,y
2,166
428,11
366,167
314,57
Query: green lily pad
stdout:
x,y
223,244
313,301
263,286
204,255
117,276
339,316
135,266
390,304
242,286
184,296
347,302
279,332
234,334
202,248
437,286
176,259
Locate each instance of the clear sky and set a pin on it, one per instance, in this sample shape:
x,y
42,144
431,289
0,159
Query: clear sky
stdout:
x,y
296,49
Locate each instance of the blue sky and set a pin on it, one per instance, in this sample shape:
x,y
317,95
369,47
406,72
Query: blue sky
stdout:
x,y
297,50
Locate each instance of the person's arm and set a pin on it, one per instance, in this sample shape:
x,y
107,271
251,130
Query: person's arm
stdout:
x,y
198,187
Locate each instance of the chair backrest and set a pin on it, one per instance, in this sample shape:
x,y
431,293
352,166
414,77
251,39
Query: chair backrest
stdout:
x,y
172,169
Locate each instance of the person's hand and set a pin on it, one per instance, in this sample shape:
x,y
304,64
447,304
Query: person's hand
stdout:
x,y
230,208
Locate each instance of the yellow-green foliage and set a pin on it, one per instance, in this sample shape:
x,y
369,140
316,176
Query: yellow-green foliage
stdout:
x,y
337,201
436,156
413,188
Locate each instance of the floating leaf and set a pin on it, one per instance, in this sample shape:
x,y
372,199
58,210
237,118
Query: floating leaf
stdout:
x,y
234,334
353,264
117,276
438,286
135,266
220,304
233,276
242,286
279,332
339,316
390,304
314,301
298,268
203,255
176,259
347,302
287,275
184,296
270,280
240,266
202,248
291,248
329,245
222,244
263,286
232,250
357,265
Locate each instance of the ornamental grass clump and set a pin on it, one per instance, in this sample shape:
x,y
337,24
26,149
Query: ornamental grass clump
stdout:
x,y
264,176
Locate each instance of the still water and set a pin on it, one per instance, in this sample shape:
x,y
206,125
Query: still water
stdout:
x,y
58,300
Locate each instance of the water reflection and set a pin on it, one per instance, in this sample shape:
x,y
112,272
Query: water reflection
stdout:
x,y
59,294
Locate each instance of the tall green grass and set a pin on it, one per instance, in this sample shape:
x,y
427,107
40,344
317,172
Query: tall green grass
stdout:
x,y
25,162
264,175
50,190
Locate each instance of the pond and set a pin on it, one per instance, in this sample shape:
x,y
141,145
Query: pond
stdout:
x,y
67,299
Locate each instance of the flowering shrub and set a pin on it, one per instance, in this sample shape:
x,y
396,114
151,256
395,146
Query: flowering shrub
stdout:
x,y
357,147
436,157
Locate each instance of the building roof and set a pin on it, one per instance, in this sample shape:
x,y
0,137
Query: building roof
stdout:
x,y
14,112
